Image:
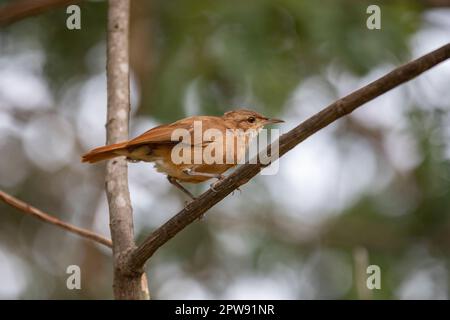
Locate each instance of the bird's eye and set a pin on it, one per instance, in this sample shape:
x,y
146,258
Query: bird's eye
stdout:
x,y
251,119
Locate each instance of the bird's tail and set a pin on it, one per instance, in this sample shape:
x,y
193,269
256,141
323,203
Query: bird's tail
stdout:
x,y
104,153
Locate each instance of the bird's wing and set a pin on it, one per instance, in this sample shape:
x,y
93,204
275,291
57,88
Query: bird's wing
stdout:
x,y
162,133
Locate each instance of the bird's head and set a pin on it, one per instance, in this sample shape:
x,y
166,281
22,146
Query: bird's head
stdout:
x,y
248,120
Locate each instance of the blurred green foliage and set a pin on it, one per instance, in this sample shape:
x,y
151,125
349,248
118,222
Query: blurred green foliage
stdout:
x,y
239,51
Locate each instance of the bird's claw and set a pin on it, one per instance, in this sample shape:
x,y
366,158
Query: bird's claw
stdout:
x,y
237,189
219,177
212,185
188,202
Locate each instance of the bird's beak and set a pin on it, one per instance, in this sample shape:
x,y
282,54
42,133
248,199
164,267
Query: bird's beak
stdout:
x,y
271,121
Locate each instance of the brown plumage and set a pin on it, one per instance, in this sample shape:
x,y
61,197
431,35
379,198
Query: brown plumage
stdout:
x,y
156,145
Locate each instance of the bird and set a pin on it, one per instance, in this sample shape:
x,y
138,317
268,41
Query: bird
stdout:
x,y
162,145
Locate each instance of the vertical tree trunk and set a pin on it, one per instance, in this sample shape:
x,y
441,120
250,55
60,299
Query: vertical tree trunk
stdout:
x,y
127,285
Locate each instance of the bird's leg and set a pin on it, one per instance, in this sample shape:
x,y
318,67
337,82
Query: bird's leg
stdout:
x,y
174,182
191,172
217,176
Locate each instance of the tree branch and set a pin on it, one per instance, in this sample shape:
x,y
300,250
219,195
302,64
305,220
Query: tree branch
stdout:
x,y
126,285
286,142
32,211
17,10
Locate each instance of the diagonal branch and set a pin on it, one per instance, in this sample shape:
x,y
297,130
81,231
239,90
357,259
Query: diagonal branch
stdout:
x,y
243,174
17,10
30,210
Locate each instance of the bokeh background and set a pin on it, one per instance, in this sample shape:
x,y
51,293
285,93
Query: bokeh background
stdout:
x,y
373,188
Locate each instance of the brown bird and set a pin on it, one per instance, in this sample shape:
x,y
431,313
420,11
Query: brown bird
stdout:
x,y
222,139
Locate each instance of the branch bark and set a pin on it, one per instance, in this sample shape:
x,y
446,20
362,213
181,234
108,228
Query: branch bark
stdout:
x,y
127,285
35,212
18,10
286,142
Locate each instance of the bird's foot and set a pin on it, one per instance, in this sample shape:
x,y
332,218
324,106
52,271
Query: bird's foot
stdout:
x,y
188,202
220,178
237,189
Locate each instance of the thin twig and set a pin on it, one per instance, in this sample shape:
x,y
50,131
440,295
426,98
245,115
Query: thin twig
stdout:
x,y
286,142
18,10
32,211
